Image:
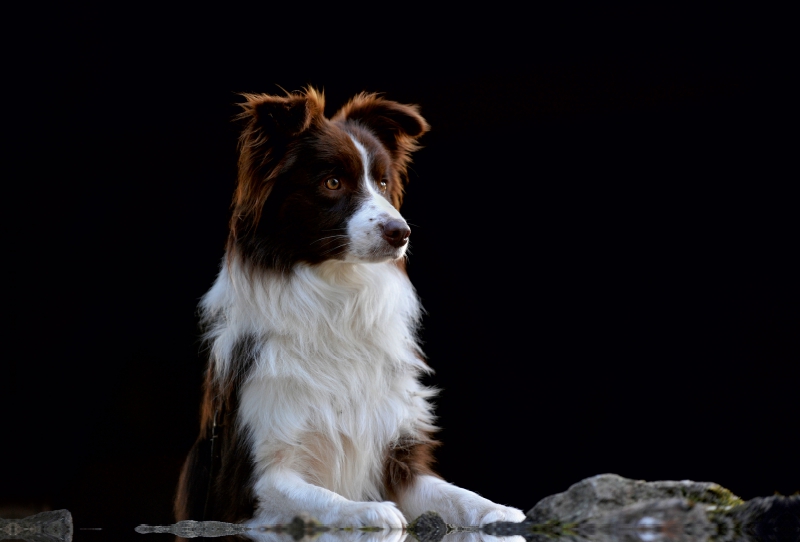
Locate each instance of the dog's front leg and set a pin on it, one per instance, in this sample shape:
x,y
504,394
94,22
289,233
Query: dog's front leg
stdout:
x,y
456,505
282,494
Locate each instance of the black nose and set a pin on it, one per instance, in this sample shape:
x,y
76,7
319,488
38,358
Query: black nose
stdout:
x,y
396,232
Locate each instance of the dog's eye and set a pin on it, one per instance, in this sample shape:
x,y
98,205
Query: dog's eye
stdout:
x,y
333,184
383,185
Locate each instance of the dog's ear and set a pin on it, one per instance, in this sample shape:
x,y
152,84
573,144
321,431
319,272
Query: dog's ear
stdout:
x,y
280,116
271,123
396,125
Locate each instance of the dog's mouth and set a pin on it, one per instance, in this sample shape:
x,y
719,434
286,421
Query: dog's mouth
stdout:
x,y
395,253
370,247
381,253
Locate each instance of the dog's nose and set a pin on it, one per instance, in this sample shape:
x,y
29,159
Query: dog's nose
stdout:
x,y
396,232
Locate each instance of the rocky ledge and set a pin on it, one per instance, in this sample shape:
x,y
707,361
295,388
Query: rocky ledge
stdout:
x,y
608,508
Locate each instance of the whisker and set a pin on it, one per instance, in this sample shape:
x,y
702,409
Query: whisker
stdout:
x,y
334,248
330,237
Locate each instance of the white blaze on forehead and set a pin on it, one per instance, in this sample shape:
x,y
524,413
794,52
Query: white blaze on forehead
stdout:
x,y
365,227
364,155
369,183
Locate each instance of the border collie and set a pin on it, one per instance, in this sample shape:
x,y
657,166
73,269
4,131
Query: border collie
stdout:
x,y
312,401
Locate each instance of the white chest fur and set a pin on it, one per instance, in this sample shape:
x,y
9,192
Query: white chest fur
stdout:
x,y
334,373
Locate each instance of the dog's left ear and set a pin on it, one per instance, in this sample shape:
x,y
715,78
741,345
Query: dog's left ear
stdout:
x,y
394,123
397,126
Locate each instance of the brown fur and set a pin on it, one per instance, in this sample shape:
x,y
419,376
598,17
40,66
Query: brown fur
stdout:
x,y
407,459
271,122
207,488
397,126
279,133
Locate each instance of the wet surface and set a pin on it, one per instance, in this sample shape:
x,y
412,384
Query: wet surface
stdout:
x,y
772,519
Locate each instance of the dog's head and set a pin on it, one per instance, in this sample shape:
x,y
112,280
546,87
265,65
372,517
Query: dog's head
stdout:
x,y
312,189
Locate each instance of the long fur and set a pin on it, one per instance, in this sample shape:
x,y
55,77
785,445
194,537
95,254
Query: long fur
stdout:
x,y
312,400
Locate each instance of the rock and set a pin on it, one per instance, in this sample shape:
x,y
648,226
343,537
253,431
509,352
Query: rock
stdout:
x,y
659,520
610,508
595,496
428,527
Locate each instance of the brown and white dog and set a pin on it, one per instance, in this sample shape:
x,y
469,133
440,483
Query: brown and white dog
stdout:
x,y
312,400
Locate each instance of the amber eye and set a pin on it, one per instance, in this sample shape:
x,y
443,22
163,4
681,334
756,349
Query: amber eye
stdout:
x,y
333,184
383,185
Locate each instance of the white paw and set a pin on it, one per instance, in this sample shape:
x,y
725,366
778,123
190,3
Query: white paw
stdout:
x,y
500,513
473,510
385,515
457,506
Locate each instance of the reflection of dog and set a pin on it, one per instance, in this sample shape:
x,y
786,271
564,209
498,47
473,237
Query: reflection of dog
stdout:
x,y
312,401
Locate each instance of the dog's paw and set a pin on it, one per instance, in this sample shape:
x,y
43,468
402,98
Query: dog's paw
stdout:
x,y
497,512
385,515
456,505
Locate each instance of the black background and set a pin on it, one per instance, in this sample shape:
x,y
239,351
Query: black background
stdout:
x,y
604,238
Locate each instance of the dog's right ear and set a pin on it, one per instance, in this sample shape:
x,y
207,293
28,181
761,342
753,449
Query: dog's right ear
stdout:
x,y
279,117
271,122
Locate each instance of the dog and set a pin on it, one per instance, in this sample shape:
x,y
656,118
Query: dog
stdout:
x,y
312,400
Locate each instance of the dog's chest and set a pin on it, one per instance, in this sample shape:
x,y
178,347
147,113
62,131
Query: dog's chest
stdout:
x,y
333,380
335,435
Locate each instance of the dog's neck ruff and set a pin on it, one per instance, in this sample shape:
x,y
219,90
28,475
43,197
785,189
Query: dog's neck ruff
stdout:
x,y
332,317
332,362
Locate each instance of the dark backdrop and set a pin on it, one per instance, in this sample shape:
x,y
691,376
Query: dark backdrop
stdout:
x,y
604,240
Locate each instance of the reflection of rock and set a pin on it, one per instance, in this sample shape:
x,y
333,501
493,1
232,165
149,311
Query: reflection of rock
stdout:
x,y
677,520
428,527
769,519
301,526
193,529
593,497
54,526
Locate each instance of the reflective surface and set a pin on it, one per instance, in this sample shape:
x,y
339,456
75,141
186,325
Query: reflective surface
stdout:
x,y
773,519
